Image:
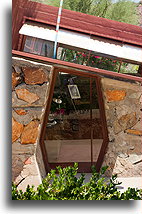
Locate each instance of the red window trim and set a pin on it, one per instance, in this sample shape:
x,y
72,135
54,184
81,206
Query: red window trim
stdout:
x,y
70,65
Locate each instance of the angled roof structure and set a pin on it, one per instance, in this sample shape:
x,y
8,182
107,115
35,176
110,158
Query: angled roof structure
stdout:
x,y
97,26
108,38
76,21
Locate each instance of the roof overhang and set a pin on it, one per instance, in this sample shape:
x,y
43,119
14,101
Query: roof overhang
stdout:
x,y
96,44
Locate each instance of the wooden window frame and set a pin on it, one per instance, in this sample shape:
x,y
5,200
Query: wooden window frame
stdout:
x,y
74,69
93,70
83,166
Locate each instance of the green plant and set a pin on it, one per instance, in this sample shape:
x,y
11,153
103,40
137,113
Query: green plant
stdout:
x,y
120,10
92,60
66,186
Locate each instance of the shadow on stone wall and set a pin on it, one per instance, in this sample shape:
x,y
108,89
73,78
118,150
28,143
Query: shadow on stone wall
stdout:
x,y
30,82
124,118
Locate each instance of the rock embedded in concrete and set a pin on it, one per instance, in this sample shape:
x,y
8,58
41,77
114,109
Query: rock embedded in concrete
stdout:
x,y
17,129
115,95
28,111
31,114
17,102
21,111
123,155
123,110
17,166
16,79
26,95
141,99
17,69
124,117
135,95
30,133
134,132
131,147
22,149
128,120
40,90
117,127
34,75
27,161
138,125
134,158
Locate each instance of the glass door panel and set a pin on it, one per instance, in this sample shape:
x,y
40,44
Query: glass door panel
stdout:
x,y
68,129
74,130
97,137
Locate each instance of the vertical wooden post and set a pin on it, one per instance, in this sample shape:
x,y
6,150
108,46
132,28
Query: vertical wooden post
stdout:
x,y
45,120
104,124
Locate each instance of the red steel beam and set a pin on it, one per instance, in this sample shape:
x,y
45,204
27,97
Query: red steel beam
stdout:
x,y
57,63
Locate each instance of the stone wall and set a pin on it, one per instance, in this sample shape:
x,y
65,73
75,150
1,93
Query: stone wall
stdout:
x,y
123,108
30,88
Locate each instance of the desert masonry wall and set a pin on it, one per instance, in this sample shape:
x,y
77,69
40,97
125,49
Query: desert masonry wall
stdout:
x,y
31,82
30,88
123,108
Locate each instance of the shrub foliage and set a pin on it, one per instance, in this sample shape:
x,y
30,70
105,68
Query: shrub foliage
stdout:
x,y
67,186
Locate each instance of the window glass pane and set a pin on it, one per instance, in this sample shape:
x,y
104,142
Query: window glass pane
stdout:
x,y
29,44
79,56
74,116
47,49
68,130
89,58
97,134
39,46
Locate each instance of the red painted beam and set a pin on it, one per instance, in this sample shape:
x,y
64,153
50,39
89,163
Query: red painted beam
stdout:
x,y
81,22
74,66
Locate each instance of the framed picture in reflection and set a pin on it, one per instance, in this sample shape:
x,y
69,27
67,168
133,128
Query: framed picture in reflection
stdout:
x,y
74,92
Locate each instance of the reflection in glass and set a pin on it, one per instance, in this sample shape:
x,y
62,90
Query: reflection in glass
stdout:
x,y
38,46
68,132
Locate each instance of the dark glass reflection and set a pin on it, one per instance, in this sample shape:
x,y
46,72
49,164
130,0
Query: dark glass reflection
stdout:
x,y
69,128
